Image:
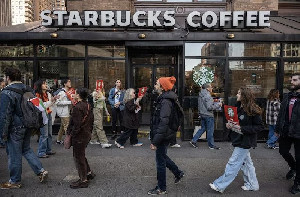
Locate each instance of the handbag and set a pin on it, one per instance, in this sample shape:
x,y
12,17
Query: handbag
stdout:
x,y
68,138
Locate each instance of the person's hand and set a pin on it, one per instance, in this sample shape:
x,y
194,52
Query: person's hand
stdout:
x,y
107,114
228,125
221,104
152,147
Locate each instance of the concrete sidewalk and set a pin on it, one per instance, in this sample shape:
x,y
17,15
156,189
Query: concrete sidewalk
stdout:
x,y
131,172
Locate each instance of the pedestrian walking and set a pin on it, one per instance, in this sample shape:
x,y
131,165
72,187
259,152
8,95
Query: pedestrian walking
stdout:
x,y
272,111
243,137
98,133
63,106
161,133
130,120
115,99
13,131
206,105
287,128
80,128
45,140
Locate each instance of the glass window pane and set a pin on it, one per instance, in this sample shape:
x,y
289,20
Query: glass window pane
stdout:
x,y
26,68
198,72
253,50
291,50
108,71
76,50
179,0
289,69
148,0
16,51
258,75
212,0
54,71
106,51
154,59
205,49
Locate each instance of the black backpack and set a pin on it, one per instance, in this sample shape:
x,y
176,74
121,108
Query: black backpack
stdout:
x,y
32,116
177,116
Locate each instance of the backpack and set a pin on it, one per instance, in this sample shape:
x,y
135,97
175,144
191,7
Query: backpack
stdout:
x,y
32,116
177,116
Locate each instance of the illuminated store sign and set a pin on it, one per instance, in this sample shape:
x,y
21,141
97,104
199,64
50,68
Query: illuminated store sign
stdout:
x,y
157,19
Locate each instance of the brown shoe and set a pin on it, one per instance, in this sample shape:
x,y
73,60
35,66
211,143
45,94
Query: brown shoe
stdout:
x,y
9,185
79,184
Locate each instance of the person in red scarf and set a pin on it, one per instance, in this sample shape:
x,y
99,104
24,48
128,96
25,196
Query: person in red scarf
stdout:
x,y
45,141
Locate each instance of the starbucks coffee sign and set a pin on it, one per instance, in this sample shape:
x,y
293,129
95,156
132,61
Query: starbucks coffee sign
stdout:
x,y
155,19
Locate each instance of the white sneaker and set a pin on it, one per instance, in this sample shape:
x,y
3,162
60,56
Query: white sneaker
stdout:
x,y
106,145
119,145
212,186
91,142
175,146
138,144
246,188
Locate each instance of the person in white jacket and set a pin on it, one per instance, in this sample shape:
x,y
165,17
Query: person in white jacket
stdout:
x,y
63,105
45,140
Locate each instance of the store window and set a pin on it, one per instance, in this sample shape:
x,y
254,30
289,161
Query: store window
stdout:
x,y
16,50
197,73
291,50
106,51
253,50
260,76
53,50
54,71
26,68
205,49
289,69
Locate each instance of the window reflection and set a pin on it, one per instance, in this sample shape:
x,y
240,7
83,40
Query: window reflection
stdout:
x,y
26,68
106,51
16,51
54,71
291,50
53,50
204,49
253,49
289,69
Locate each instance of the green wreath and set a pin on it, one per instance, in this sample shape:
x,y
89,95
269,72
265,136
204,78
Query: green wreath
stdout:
x,y
203,75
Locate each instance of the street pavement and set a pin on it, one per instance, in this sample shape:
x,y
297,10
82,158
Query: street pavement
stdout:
x,y
131,172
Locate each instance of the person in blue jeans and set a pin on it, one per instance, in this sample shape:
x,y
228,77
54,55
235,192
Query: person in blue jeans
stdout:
x,y
161,134
272,111
45,140
13,132
206,105
243,136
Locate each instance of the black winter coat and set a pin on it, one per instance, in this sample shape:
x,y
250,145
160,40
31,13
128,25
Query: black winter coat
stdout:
x,y
284,127
130,118
250,126
160,131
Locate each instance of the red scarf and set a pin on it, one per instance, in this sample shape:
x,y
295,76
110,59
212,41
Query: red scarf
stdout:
x,y
44,98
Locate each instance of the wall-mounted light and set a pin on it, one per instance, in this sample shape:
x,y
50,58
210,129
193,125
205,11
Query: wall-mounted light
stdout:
x,y
230,36
142,36
54,35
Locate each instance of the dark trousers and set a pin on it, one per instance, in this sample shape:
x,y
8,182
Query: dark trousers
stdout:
x,y
81,162
173,141
132,133
163,161
285,144
116,115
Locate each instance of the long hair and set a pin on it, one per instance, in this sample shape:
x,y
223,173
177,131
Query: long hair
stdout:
x,y
127,95
273,94
248,102
38,87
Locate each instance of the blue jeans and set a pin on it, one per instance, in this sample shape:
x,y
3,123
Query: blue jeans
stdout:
x,y
45,142
240,159
207,124
163,161
272,138
18,144
2,143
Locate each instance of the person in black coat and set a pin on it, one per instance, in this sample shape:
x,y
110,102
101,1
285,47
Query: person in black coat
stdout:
x,y
288,130
130,120
161,133
243,136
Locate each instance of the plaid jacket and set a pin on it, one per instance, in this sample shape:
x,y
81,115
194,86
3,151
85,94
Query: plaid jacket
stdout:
x,y
272,112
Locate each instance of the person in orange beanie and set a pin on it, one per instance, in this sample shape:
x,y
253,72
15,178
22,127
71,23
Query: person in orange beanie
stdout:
x,y
167,83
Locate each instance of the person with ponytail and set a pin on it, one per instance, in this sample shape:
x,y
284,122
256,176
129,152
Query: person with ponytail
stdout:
x,y
243,136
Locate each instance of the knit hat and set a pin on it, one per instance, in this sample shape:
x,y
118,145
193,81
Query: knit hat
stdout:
x,y
167,83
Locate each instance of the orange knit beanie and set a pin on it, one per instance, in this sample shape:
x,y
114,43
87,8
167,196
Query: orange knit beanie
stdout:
x,y
167,83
